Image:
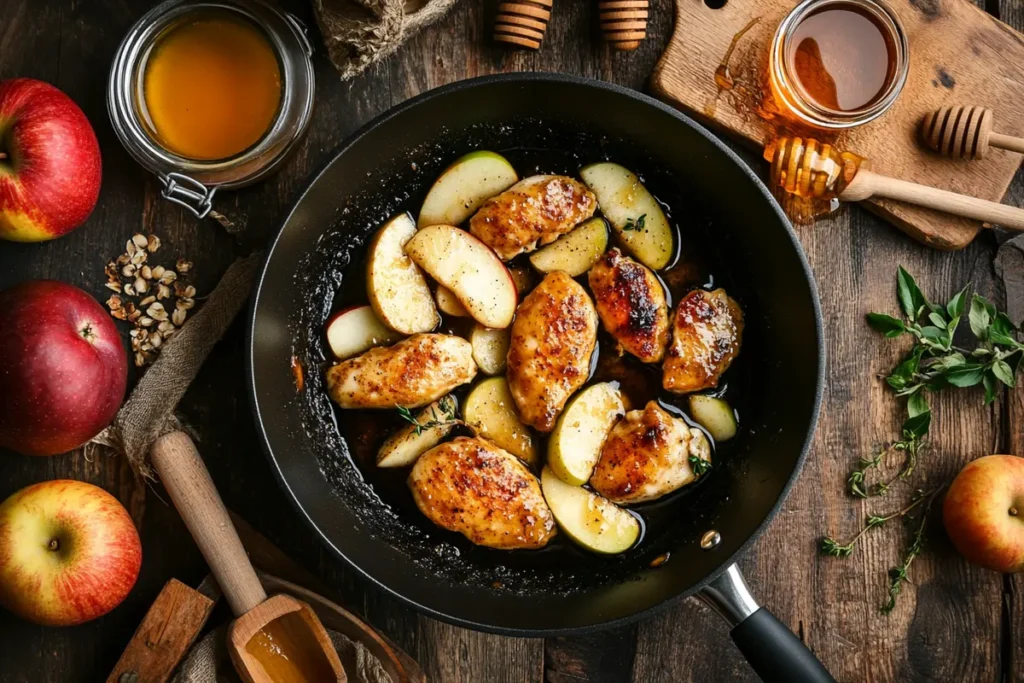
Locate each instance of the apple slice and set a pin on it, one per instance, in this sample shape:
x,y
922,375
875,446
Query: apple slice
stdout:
x,y
593,522
448,303
634,213
435,422
468,267
575,443
357,329
490,411
714,415
576,251
464,186
397,289
490,348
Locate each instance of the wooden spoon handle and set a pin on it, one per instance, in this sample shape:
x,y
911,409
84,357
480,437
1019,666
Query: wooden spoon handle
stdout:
x,y
869,184
1006,142
184,475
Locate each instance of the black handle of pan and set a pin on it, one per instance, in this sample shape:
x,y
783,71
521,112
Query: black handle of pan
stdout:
x,y
774,652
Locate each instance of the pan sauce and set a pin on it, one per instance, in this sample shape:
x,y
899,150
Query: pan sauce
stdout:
x,y
365,430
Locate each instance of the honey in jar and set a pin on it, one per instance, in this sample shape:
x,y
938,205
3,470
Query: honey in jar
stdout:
x,y
211,86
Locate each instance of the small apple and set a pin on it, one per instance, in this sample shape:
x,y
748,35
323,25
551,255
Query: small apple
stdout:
x,y
69,552
50,164
63,370
984,512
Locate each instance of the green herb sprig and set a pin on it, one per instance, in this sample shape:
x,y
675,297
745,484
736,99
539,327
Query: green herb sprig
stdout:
x,y
699,465
447,416
637,225
934,363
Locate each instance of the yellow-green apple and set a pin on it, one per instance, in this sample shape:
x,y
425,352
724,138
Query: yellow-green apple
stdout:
x,y
62,368
49,162
69,552
984,512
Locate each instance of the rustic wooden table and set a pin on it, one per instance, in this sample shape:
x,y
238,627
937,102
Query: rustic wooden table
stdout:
x,y
956,623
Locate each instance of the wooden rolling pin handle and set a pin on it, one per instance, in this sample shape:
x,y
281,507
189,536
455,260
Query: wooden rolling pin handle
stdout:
x,y
1006,142
868,184
186,479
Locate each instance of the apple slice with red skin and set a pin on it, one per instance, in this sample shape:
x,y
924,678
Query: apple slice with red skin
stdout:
x,y
356,329
69,552
63,370
984,512
397,289
50,165
470,269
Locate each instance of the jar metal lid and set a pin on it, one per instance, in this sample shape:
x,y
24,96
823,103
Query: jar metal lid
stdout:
x,y
190,182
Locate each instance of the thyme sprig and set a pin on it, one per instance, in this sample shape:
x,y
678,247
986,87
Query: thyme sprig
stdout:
x,y
637,225
699,465
447,416
899,575
829,546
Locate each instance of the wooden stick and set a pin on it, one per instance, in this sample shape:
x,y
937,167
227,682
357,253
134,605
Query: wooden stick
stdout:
x,y
964,133
522,23
624,22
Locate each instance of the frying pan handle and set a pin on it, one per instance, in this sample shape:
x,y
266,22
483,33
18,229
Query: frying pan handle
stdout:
x,y
775,654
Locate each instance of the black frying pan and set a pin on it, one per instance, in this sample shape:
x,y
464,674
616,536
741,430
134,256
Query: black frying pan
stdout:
x,y
549,123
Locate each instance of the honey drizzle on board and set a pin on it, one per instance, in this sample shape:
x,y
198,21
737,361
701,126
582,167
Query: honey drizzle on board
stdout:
x,y
212,86
365,430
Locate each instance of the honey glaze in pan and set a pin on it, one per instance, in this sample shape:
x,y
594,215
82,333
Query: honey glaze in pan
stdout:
x,y
348,440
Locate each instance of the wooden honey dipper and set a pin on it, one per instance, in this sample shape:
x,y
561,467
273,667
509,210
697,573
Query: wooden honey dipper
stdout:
x,y
964,133
624,22
808,168
522,23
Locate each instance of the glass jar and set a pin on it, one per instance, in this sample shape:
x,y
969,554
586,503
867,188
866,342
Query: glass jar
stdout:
x,y
192,183
797,100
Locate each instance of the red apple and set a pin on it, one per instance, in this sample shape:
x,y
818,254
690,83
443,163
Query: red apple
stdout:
x,y
984,512
62,368
49,162
69,552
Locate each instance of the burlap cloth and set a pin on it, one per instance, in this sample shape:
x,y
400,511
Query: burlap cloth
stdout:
x,y
361,32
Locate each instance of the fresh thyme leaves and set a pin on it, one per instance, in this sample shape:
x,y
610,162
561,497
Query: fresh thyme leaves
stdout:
x,y
699,465
637,225
934,363
446,416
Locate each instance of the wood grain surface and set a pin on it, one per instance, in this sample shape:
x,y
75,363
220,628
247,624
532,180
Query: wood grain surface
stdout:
x,y
958,55
955,623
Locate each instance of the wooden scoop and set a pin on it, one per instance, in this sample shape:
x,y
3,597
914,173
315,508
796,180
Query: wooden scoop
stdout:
x,y
522,22
272,640
808,168
964,133
624,22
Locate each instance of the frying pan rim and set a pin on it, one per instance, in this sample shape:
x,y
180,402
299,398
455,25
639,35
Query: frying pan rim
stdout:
x,y
534,76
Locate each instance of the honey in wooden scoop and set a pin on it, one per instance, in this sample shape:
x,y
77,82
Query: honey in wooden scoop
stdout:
x,y
810,169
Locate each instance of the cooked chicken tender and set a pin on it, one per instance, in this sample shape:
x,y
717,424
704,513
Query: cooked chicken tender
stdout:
x,y
484,493
631,303
707,332
647,455
533,212
553,338
412,373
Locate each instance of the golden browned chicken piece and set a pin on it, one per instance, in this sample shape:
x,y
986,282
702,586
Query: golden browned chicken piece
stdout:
x,y
533,212
553,337
412,373
632,306
707,332
647,455
484,493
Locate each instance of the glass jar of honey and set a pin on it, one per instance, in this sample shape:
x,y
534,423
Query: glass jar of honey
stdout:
x,y
838,63
211,94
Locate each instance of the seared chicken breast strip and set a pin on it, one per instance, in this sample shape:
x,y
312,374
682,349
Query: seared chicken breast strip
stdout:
x,y
631,303
647,455
707,332
473,487
533,212
412,373
553,338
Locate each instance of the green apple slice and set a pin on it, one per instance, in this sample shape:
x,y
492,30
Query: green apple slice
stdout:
x,y
490,348
576,251
634,213
714,415
403,448
593,522
464,186
490,411
575,443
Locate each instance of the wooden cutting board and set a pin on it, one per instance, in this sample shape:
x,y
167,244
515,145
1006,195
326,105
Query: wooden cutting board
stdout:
x,y
958,55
